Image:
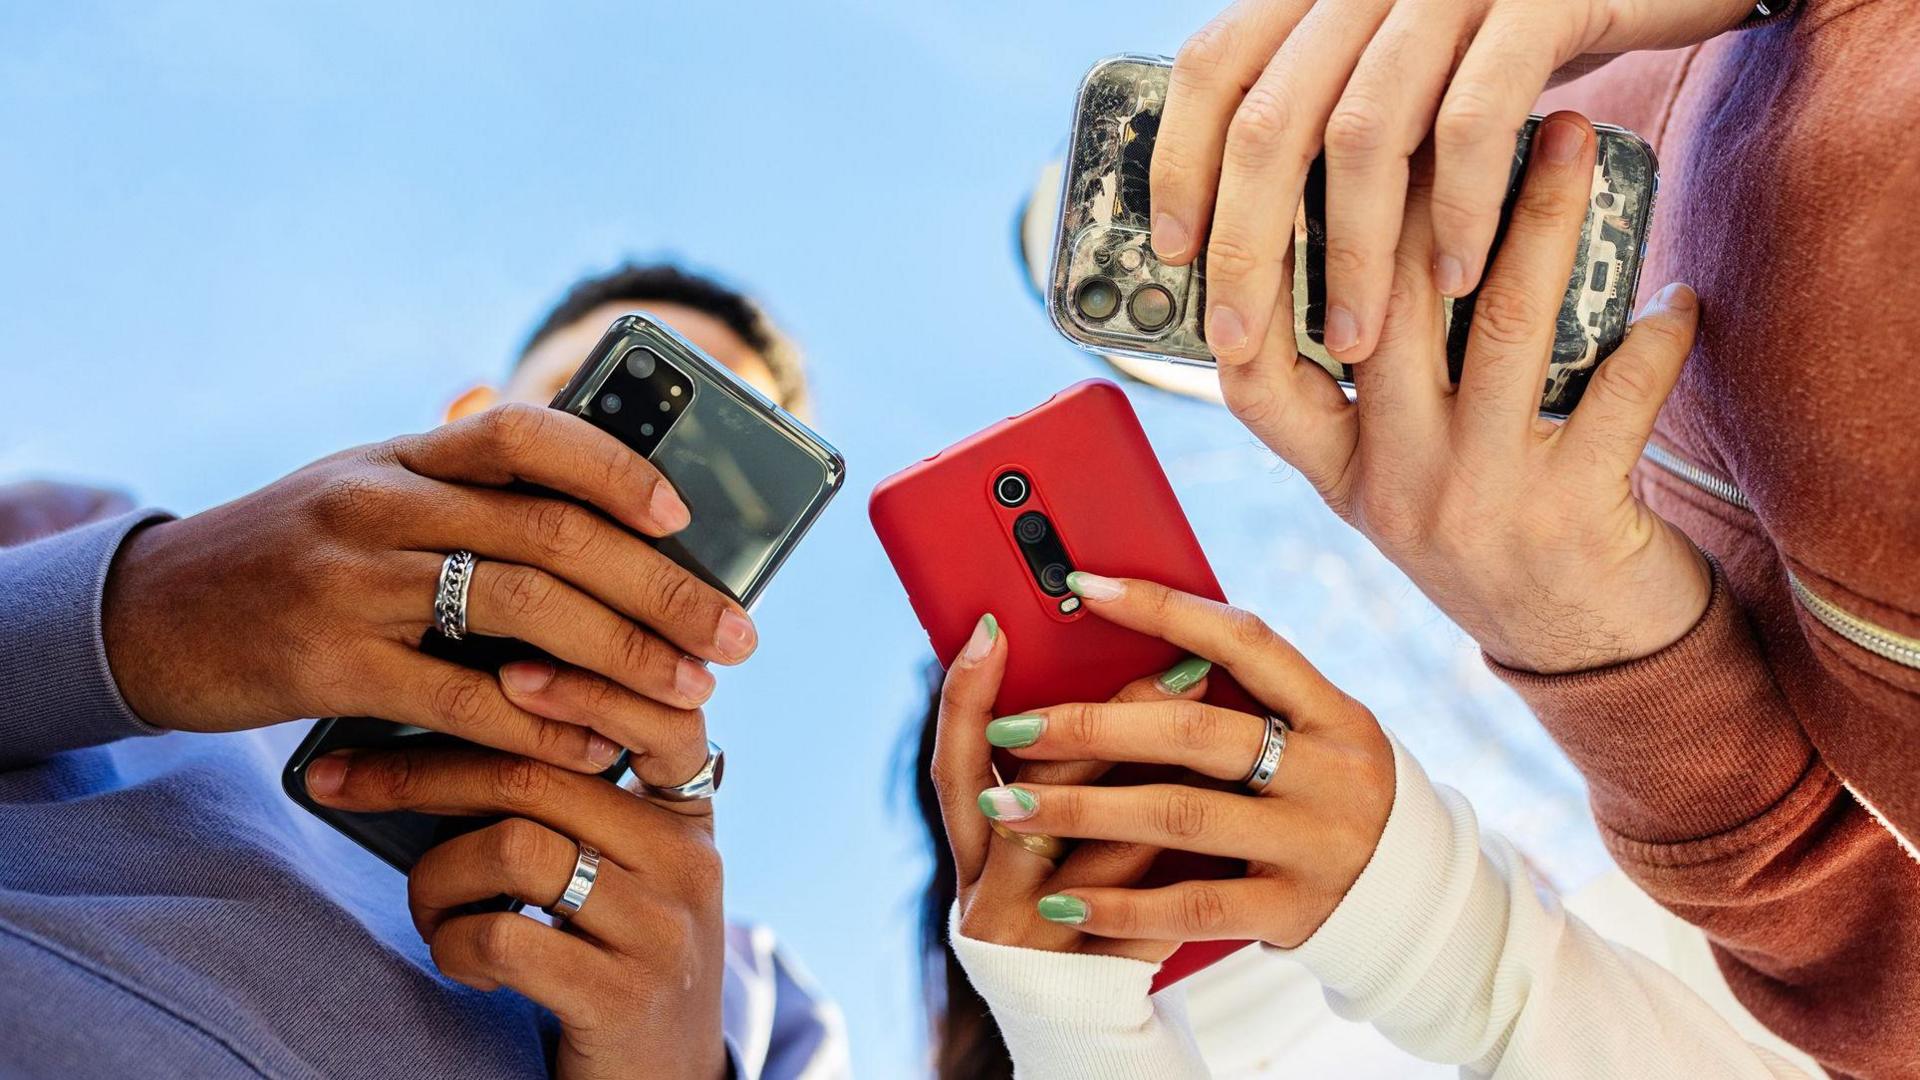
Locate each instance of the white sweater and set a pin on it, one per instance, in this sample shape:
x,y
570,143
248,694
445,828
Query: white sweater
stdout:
x,y
1443,944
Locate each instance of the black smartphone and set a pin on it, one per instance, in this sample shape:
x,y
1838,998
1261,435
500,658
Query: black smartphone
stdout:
x,y
754,477
1108,292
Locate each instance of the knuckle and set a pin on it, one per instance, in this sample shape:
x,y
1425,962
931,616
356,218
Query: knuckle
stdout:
x,y
1467,117
1260,127
456,700
634,649
679,598
561,531
1629,378
1387,518
1194,726
1184,814
1345,259
521,783
1080,725
1248,630
344,503
520,844
391,778
1357,128
1230,256
1204,56
1506,316
494,941
524,593
514,429
1067,806
1203,909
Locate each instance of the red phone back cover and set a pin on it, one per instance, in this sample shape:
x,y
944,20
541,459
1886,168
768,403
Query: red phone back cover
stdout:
x,y
1095,475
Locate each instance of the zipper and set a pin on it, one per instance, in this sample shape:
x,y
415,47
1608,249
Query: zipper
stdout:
x,y
1874,638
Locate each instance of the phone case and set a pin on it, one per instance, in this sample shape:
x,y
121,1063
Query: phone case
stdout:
x,y
1101,245
755,478
1094,475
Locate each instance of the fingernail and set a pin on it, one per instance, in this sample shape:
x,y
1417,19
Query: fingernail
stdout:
x,y
1094,587
1182,676
1449,276
1170,237
981,643
1675,297
527,676
327,775
1343,330
1225,330
1011,732
1007,803
734,635
1560,140
602,751
1062,909
668,511
692,679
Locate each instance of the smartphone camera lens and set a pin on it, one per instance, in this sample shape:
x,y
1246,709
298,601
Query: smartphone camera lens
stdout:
x,y
641,363
1030,529
1097,299
1012,489
1151,308
610,403
1053,578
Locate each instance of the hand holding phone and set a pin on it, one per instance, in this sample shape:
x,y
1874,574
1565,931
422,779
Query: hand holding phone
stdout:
x,y
1303,807
999,522
644,969
584,640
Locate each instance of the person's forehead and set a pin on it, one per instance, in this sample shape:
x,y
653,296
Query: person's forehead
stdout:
x,y
560,352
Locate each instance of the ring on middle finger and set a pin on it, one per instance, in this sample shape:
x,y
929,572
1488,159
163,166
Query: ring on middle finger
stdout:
x,y
450,596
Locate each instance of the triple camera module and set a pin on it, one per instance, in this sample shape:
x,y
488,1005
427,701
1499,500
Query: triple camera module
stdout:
x,y
1034,533
642,398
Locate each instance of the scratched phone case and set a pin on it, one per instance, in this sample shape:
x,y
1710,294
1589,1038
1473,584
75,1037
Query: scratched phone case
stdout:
x,y
1103,228
1095,476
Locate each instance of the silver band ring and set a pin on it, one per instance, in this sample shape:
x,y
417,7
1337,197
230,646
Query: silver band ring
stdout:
x,y
703,785
450,599
1271,751
586,870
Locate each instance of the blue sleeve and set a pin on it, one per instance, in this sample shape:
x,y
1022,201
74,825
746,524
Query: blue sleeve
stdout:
x,y
56,693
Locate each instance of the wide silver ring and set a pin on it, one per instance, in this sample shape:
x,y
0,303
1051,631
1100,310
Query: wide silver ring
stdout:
x,y
586,870
450,599
1271,751
703,785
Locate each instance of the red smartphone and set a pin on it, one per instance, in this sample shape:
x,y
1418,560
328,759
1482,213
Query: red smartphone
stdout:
x,y
995,523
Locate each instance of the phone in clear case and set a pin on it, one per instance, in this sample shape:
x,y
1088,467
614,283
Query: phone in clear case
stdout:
x,y
1107,292
754,477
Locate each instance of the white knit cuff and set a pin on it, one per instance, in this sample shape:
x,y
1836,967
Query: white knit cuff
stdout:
x,y
1396,918
1075,1015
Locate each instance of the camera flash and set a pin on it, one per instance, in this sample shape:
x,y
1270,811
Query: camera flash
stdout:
x,y
1070,605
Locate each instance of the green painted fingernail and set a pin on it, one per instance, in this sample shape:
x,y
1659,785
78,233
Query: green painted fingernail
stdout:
x,y
1007,803
1016,731
992,624
1063,909
1181,677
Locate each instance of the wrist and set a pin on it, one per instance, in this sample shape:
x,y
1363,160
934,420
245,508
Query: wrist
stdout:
x,y
141,626
1639,612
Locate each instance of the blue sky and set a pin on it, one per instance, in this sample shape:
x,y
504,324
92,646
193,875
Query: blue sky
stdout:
x,y
234,239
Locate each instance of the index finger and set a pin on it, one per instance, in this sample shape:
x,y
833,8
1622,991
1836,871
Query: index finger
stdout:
x,y
1261,661
530,444
480,783
1209,77
962,759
